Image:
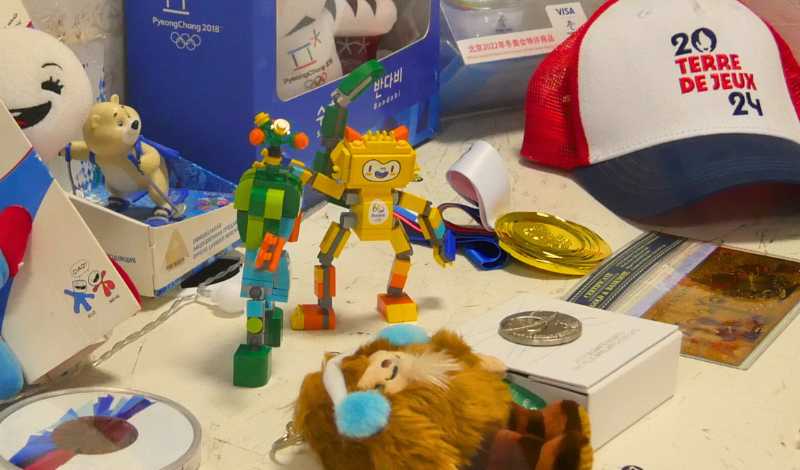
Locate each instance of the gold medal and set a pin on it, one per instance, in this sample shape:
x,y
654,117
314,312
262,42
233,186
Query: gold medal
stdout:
x,y
551,243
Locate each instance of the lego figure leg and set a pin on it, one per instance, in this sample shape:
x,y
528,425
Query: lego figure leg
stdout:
x,y
252,361
322,316
396,306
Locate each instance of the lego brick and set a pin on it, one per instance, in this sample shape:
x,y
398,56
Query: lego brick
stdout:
x,y
397,309
255,326
425,227
313,317
285,228
440,230
401,267
412,202
398,281
250,256
255,232
261,119
296,170
255,309
351,135
252,292
333,122
341,243
354,84
450,246
410,313
399,240
331,282
279,295
366,235
275,329
273,205
401,133
435,218
241,198
283,279
324,281
292,199
259,277
322,162
329,238
241,224
295,235
271,226
328,186
258,202
252,368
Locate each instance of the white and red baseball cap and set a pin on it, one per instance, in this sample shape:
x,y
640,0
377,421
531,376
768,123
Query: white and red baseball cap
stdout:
x,y
656,104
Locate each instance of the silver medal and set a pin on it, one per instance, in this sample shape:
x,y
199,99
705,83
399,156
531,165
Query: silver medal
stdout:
x,y
540,328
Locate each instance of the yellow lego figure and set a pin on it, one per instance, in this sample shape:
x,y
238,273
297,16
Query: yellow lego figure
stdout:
x,y
369,173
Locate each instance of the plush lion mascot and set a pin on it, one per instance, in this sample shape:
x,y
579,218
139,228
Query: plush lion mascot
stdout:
x,y
410,402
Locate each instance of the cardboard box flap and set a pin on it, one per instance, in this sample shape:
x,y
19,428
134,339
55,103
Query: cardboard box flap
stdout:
x,y
67,294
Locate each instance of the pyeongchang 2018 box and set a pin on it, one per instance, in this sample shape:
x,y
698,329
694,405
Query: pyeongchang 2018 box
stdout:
x,y
202,69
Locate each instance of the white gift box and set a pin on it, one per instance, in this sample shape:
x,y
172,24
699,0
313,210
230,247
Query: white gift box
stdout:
x,y
620,369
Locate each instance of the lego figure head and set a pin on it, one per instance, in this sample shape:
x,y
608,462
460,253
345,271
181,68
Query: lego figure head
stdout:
x,y
375,160
44,87
112,128
80,287
375,170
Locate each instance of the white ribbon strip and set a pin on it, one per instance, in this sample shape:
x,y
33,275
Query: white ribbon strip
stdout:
x,y
481,177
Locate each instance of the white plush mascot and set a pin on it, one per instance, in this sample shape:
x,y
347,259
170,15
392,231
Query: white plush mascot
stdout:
x,y
46,90
309,55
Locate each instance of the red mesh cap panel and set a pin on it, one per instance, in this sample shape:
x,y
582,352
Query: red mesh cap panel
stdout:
x,y
553,131
549,131
791,69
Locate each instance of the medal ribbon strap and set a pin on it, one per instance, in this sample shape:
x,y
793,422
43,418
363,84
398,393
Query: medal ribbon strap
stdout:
x,y
480,246
481,178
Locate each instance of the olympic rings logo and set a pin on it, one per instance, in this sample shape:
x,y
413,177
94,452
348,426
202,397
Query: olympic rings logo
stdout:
x,y
184,41
317,81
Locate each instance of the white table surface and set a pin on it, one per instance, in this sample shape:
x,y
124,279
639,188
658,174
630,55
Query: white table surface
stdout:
x,y
719,418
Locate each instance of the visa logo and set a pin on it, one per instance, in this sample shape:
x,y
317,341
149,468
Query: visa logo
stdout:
x,y
565,11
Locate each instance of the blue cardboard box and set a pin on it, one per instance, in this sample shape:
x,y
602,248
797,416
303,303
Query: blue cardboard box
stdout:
x,y
202,69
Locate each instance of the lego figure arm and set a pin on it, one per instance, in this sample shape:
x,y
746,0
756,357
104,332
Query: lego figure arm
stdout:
x,y
432,226
76,151
318,181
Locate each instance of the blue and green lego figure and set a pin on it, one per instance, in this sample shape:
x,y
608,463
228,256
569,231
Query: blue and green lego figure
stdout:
x,y
268,200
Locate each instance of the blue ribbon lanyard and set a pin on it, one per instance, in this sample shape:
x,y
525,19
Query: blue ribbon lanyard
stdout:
x,y
480,246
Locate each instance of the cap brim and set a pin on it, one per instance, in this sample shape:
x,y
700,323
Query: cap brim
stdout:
x,y
660,179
